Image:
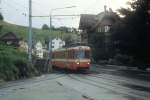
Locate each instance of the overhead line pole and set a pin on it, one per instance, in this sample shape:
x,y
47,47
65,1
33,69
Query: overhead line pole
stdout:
x,y
50,44
0,7
30,33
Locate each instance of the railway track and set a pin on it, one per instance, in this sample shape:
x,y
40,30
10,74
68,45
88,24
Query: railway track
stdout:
x,y
118,79
114,88
138,85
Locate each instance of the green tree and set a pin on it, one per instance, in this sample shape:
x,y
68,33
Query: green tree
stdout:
x,y
1,17
63,29
45,27
132,35
69,39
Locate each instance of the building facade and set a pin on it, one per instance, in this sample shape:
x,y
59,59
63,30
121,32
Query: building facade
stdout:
x,y
57,43
10,39
39,52
24,45
95,31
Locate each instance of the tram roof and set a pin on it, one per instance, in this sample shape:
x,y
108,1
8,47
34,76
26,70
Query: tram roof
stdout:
x,y
73,48
80,47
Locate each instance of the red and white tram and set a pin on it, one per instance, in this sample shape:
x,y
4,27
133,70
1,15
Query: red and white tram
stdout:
x,y
73,58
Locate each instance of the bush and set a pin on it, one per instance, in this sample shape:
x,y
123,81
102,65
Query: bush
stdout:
x,y
122,59
1,17
12,62
8,71
102,62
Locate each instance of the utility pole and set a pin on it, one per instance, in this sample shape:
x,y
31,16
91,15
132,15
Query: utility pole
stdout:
x,y
30,33
50,25
0,7
50,43
50,52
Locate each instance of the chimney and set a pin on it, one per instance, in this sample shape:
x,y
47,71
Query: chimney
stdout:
x,y
105,8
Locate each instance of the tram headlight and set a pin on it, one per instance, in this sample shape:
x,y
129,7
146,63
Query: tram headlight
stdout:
x,y
88,63
77,63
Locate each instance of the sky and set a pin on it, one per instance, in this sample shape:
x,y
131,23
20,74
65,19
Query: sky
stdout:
x,y
16,11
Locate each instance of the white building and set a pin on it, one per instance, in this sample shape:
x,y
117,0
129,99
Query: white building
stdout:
x,y
24,45
57,43
39,49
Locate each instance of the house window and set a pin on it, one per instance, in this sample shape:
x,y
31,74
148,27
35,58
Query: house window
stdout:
x,y
107,28
52,46
99,29
9,42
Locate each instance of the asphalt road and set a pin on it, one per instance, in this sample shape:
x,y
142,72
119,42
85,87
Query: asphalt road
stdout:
x,y
99,83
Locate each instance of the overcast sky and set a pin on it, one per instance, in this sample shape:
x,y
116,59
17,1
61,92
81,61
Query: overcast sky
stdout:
x,y
16,11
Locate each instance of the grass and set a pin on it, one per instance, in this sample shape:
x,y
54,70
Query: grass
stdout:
x,y
38,34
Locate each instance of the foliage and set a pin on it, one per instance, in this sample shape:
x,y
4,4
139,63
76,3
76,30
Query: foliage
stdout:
x,y
45,27
63,29
38,34
66,29
1,27
70,39
11,62
132,35
1,17
99,49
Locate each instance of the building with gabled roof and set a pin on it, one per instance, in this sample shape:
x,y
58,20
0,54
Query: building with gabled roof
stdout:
x,y
101,22
95,29
87,21
10,38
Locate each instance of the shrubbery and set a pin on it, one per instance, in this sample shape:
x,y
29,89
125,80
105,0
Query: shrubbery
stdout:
x,y
13,63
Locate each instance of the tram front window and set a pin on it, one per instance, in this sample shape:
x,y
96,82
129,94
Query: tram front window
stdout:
x,y
83,55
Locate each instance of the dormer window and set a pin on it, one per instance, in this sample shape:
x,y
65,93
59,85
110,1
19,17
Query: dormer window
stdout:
x,y
101,29
107,28
9,42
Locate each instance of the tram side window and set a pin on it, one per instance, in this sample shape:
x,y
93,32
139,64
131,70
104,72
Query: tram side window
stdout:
x,y
61,55
53,55
71,54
